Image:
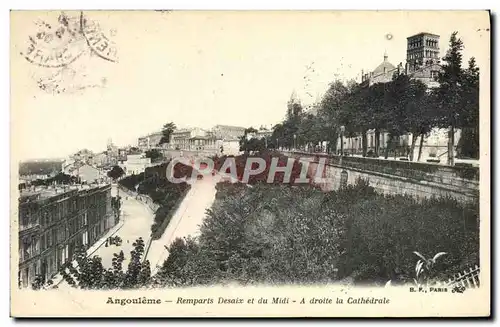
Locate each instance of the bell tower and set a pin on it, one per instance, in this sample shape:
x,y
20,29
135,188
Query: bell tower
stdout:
x,y
422,49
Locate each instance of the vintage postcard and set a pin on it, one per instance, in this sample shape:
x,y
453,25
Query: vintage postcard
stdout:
x,y
250,163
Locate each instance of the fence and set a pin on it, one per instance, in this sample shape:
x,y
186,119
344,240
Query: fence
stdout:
x,y
468,279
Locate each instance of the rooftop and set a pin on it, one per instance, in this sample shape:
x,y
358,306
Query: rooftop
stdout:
x,y
229,126
36,193
384,67
152,134
40,167
182,130
422,33
200,137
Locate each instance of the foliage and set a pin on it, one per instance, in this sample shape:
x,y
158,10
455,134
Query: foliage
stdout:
x,y
425,268
399,107
116,172
116,203
302,235
91,274
155,184
250,143
154,154
167,130
241,165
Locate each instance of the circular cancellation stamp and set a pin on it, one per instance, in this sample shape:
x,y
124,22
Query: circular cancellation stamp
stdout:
x,y
98,40
65,47
55,44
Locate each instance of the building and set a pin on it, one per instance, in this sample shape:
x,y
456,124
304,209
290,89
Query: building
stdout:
x,y
383,73
423,58
227,132
87,173
84,155
179,139
136,164
40,169
203,143
112,154
423,64
260,134
100,160
149,141
230,147
54,222
192,139
422,49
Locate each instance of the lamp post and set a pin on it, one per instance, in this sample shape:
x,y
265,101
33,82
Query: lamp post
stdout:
x,y
277,144
294,142
342,130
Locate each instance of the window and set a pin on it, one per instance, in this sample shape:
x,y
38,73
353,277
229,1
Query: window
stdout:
x,y
44,242
26,248
34,247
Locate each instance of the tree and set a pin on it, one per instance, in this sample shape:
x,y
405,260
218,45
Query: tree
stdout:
x,y
309,130
153,154
250,143
167,130
294,108
116,172
352,114
468,145
450,92
116,204
330,112
91,274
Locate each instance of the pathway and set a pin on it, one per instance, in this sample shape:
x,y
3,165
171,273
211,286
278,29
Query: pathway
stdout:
x,y
186,220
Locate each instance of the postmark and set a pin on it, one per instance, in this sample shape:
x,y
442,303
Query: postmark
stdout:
x,y
55,44
64,47
97,39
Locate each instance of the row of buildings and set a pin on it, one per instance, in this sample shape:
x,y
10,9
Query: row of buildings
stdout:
x,y
217,140
423,64
54,221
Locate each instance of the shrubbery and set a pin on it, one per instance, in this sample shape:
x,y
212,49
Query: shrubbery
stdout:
x,y
241,162
91,274
279,234
154,183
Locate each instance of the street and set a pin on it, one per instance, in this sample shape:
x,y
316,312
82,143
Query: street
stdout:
x,y
137,220
186,221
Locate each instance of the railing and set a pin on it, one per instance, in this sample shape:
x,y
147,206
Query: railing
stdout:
x,y
468,279
23,227
463,177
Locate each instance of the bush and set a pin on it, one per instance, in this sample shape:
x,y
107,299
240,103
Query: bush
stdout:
x,y
262,177
278,234
155,184
91,274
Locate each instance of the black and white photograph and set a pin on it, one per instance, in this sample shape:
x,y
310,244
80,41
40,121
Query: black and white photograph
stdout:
x,y
171,163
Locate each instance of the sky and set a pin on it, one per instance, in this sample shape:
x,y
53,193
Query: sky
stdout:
x,y
199,69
